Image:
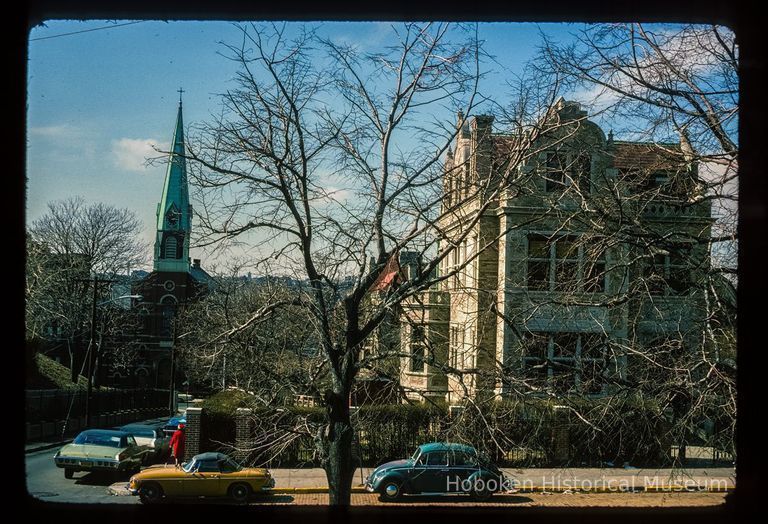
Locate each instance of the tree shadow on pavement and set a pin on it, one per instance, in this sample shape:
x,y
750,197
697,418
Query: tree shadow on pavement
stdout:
x,y
457,499
95,478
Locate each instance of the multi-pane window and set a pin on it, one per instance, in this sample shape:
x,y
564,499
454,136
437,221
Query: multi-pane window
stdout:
x,y
565,362
593,268
539,262
417,349
561,264
657,358
566,259
666,183
555,174
668,272
566,169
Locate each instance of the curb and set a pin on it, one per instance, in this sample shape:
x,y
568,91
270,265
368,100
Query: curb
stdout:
x,y
547,489
358,489
121,489
43,447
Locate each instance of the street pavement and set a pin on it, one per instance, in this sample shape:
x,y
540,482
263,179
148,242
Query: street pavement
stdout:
x,y
536,479
310,480
528,479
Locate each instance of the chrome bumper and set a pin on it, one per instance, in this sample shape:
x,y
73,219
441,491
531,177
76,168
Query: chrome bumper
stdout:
x,y
87,464
269,485
367,485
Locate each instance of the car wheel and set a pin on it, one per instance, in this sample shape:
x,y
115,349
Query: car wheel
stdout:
x,y
150,493
240,492
391,490
482,494
69,473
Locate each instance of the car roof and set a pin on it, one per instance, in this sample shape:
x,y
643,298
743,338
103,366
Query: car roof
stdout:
x,y
210,456
129,427
109,432
446,446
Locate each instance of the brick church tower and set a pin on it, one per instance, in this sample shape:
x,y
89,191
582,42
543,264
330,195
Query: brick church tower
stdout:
x,y
173,281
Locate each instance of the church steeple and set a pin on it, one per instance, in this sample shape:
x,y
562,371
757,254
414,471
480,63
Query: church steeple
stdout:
x,y
174,213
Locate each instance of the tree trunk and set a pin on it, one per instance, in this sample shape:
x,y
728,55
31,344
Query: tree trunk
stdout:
x,y
337,449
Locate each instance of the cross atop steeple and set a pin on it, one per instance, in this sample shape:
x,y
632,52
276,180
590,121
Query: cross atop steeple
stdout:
x,y
180,91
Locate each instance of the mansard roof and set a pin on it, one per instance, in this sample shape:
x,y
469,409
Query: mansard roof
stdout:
x,y
647,156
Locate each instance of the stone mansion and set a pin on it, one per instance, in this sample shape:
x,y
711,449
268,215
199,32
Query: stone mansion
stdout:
x,y
575,256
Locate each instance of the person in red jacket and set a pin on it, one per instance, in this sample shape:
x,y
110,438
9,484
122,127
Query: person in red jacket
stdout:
x,y
177,444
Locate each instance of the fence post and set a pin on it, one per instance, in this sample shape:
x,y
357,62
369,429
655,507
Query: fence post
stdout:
x,y
243,432
193,431
561,441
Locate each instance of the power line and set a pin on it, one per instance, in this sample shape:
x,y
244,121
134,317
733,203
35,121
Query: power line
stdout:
x,y
87,30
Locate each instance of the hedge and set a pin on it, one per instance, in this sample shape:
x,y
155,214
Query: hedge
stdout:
x,y
512,434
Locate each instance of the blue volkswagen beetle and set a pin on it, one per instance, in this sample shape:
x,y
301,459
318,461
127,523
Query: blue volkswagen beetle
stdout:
x,y
439,467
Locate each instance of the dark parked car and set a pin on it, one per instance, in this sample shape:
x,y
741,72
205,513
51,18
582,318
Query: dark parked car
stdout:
x,y
439,467
153,437
173,424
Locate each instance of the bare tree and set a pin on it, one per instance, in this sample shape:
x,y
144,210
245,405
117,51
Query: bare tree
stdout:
x,y
327,154
68,245
675,84
255,335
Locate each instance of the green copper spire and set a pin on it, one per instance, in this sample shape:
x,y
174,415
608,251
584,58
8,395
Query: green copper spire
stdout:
x,y
174,214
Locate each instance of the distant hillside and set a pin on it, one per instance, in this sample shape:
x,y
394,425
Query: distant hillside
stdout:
x,y
46,373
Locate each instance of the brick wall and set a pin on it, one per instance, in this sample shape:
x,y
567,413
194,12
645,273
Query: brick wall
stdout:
x,y
243,432
193,427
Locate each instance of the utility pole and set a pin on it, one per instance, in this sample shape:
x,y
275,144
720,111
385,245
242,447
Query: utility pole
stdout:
x,y
172,386
91,354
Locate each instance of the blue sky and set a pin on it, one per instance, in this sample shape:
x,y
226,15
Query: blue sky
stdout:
x,y
98,99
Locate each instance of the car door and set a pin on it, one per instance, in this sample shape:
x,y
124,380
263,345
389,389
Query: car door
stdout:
x,y
461,466
431,472
232,473
133,452
204,480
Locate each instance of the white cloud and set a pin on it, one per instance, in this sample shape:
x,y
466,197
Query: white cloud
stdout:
x,y
56,131
131,154
596,97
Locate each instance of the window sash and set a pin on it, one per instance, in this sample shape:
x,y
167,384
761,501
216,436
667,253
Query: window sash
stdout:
x,y
565,361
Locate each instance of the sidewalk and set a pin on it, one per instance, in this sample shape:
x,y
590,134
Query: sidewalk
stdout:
x,y
536,480
555,479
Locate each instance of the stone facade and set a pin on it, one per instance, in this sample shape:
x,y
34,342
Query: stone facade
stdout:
x,y
549,288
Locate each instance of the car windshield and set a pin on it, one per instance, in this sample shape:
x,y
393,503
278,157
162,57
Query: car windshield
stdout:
x,y
188,467
229,466
99,439
415,454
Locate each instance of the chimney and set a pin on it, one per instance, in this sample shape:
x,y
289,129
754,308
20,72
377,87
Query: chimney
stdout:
x,y
480,163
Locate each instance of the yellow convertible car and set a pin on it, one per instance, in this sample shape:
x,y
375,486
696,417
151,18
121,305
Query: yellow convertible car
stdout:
x,y
205,475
